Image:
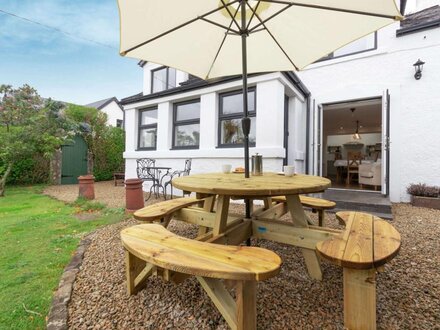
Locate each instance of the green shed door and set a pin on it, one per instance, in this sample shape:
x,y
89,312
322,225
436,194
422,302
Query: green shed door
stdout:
x,y
74,161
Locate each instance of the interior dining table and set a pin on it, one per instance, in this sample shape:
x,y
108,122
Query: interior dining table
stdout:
x,y
219,225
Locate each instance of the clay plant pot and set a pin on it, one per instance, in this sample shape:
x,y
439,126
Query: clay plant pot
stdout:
x,y
429,202
86,186
134,195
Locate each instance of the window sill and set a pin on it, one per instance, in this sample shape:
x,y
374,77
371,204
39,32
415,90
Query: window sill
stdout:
x,y
227,146
185,148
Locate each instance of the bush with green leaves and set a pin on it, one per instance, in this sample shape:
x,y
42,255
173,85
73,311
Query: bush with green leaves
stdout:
x,y
30,128
108,154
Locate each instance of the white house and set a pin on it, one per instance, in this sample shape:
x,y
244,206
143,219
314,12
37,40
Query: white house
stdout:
x,y
304,121
113,109
375,76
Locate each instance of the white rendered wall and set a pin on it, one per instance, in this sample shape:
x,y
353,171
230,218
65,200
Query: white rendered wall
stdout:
x,y
415,104
113,112
271,89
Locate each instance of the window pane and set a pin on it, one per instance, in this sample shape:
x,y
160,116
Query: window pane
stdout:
x,y
234,103
171,78
186,135
231,132
362,44
159,80
149,117
147,138
188,111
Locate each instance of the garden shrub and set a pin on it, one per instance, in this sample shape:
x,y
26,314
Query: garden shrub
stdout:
x,y
108,154
32,170
421,189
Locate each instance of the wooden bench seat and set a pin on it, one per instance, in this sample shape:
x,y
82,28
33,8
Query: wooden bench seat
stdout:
x,y
163,211
367,243
316,204
151,245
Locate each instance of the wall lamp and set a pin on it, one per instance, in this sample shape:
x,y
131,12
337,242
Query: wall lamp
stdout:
x,y
418,66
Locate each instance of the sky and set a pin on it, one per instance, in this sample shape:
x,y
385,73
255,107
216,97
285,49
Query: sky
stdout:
x,y
61,66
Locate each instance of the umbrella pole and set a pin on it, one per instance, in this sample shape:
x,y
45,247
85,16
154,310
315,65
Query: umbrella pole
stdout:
x,y
245,122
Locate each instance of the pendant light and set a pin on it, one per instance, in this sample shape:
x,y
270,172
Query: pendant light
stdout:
x,y
356,135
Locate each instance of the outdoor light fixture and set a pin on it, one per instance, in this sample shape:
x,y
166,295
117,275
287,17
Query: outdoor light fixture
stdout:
x,y
356,135
418,66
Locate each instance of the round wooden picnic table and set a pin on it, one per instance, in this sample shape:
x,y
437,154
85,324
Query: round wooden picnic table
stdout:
x,y
225,186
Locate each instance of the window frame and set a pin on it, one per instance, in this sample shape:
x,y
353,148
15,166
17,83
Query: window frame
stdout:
x,y
141,127
237,115
167,68
184,123
331,57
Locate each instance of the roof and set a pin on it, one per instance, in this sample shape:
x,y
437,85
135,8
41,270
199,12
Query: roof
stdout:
x,y
428,18
196,83
102,103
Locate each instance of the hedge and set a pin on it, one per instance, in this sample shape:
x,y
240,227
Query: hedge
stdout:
x,y
108,154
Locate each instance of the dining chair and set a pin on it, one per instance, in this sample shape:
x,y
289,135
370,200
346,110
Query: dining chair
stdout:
x,y
142,169
178,173
354,159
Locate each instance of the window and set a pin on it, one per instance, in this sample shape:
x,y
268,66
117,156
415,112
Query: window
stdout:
x,y
186,125
162,78
147,129
230,114
119,123
364,44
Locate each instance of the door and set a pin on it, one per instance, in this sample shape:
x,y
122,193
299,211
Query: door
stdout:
x,y
317,139
286,130
386,143
73,160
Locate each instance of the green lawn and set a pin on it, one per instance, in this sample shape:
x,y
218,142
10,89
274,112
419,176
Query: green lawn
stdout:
x,y
37,238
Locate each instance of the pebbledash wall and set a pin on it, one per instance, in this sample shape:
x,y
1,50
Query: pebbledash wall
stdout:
x,y
271,90
414,106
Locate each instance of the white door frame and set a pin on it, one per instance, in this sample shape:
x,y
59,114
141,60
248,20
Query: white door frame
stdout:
x,y
385,154
317,137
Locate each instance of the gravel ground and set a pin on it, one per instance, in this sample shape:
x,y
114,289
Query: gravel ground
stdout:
x,y
408,292
105,192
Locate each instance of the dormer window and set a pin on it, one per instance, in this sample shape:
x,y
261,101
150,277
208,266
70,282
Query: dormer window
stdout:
x,y
162,78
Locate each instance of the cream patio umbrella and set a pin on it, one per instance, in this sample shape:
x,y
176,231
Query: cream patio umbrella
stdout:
x,y
213,38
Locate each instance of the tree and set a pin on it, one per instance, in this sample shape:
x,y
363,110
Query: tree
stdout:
x,y
28,125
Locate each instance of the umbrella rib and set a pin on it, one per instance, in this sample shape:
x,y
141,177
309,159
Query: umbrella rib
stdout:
x,y
253,15
269,18
230,14
350,11
221,45
220,25
225,6
274,39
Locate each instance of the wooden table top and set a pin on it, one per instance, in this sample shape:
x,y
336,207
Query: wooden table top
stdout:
x,y
269,184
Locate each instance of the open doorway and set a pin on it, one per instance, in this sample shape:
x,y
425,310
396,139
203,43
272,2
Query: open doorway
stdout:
x,y
352,144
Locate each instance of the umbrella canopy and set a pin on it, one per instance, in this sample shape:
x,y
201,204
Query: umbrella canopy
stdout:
x,y
211,38
202,38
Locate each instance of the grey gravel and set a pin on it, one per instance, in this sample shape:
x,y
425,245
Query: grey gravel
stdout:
x,y
407,292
